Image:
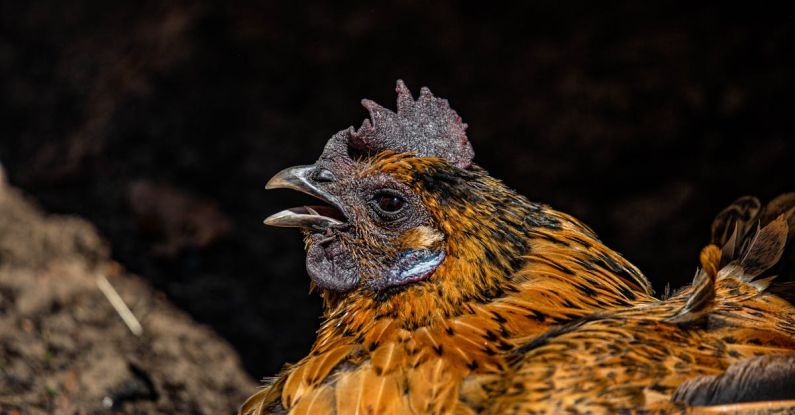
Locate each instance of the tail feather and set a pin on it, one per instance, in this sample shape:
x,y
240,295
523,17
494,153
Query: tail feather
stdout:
x,y
735,228
760,252
781,205
764,249
734,221
703,294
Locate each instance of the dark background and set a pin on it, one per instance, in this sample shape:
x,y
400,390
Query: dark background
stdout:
x,y
161,123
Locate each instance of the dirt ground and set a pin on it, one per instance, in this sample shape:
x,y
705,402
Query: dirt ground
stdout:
x,y
65,350
160,122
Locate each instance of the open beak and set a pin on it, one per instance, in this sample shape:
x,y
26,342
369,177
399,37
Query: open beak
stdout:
x,y
300,178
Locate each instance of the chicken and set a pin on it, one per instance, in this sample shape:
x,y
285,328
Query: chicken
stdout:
x,y
725,343
435,277
430,269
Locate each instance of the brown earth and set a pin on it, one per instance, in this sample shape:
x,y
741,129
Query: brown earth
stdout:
x,y
63,348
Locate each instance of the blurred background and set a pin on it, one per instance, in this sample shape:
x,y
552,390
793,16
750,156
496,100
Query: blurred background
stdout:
x,y
160,122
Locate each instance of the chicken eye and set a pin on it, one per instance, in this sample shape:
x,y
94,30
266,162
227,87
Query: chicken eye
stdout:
x,y
388,203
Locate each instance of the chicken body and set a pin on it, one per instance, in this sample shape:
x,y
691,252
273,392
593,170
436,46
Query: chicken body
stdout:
x,y
446,292
513,269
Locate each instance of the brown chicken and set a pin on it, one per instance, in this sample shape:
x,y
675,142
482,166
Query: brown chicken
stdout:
x,y
437,279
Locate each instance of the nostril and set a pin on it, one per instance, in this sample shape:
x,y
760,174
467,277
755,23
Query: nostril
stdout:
x,y
324,175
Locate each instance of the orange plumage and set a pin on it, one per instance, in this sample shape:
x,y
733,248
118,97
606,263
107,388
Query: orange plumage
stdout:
x,y
437,278
729,338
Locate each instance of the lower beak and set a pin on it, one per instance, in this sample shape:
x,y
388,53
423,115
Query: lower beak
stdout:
x,y
318,217
302,217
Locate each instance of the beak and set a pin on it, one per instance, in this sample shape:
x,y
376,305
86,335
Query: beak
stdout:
x,y
300,178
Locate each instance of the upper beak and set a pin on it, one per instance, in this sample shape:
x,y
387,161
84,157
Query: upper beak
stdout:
x,y
300,178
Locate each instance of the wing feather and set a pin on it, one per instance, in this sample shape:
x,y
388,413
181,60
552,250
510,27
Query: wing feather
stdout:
x,y
263,401
431,390
320,401
314,370
381,393
386,358
349,393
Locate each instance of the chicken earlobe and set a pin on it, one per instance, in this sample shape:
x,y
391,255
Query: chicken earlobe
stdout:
x,y
411,266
